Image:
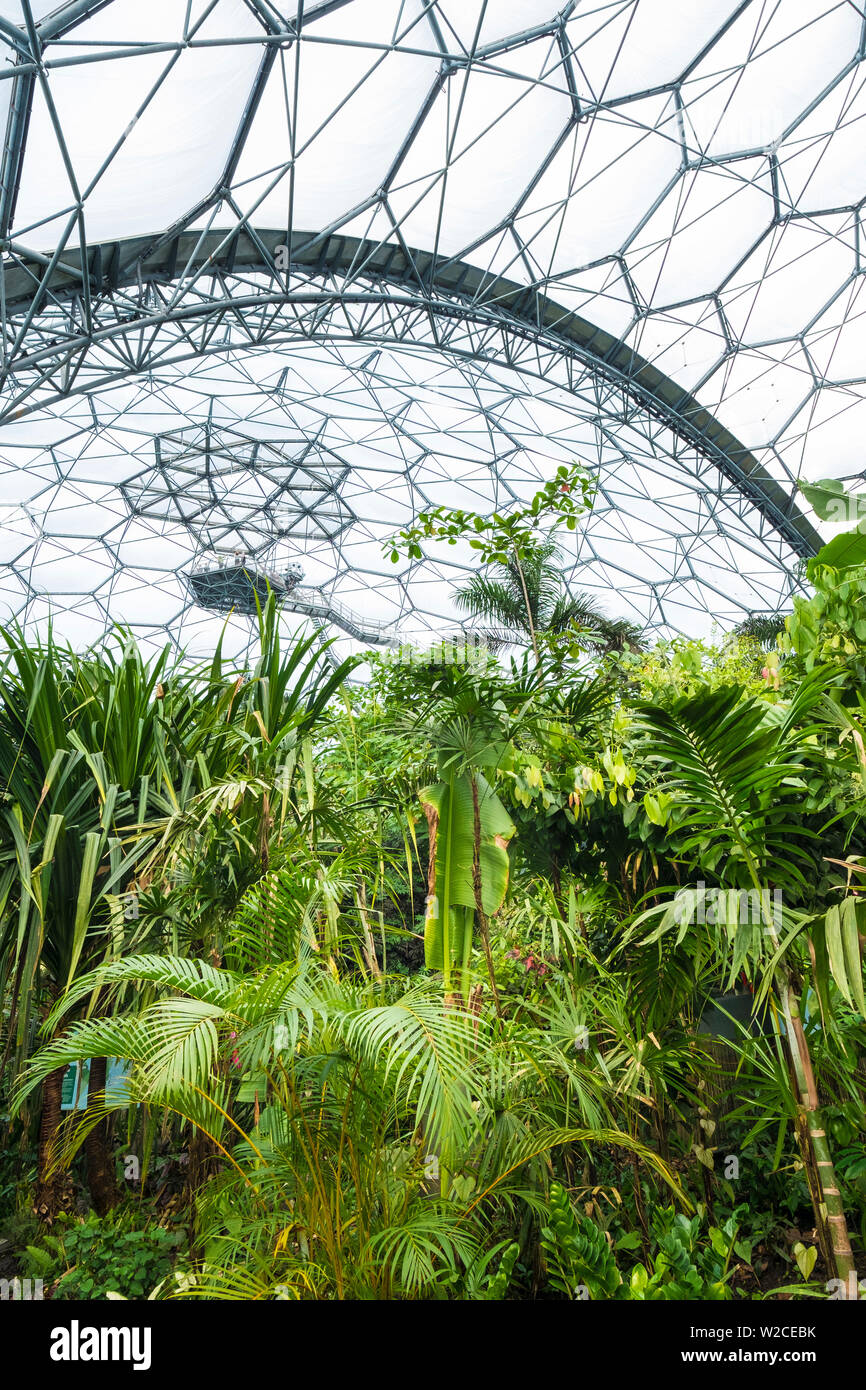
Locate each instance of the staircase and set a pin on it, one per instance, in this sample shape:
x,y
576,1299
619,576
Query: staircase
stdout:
x,y
312,603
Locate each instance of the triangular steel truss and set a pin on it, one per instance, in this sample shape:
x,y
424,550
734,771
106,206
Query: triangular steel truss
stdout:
x,y
627,232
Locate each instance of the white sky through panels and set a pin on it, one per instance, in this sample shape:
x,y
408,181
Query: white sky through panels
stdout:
x,y
659,204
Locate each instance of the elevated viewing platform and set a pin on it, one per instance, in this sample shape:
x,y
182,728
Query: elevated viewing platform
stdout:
x,y
233,582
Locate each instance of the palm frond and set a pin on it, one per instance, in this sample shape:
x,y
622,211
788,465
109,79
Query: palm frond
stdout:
x,y
737,780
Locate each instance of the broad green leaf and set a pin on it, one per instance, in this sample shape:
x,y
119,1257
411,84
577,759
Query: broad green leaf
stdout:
x,y
843,551
806,1256
450,814
851,950
836,952
829,499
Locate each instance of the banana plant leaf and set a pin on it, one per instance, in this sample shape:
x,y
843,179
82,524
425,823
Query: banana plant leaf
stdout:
x,y
451,894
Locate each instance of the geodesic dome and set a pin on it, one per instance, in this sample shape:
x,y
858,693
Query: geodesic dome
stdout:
x,y
279,276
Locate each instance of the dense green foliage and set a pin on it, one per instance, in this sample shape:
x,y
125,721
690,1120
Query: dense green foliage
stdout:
x,y
95,1258
414,977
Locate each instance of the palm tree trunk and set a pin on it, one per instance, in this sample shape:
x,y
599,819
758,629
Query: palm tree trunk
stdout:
x,y
202,1162
50,1193
100,1161
529,617
369,943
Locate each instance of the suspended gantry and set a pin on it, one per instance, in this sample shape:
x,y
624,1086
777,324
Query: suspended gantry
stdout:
x,y
234,583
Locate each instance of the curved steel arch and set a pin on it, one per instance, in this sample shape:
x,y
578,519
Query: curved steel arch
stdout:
x,y
75,322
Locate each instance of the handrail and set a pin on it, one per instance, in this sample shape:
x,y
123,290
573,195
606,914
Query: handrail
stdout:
x,y
314,604
305,599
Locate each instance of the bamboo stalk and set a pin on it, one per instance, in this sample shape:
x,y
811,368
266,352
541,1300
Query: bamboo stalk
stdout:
x,y
811,1133
830,1209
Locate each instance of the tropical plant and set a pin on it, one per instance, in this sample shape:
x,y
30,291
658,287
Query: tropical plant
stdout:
x,y
523,591
116,772
735,768
522,599
336,1107
218,875
79,741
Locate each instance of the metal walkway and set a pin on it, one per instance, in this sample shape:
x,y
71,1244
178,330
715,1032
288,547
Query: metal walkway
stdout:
x,y
314,604
233,583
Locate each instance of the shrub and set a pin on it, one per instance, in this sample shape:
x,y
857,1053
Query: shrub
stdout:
x,y
106,1259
